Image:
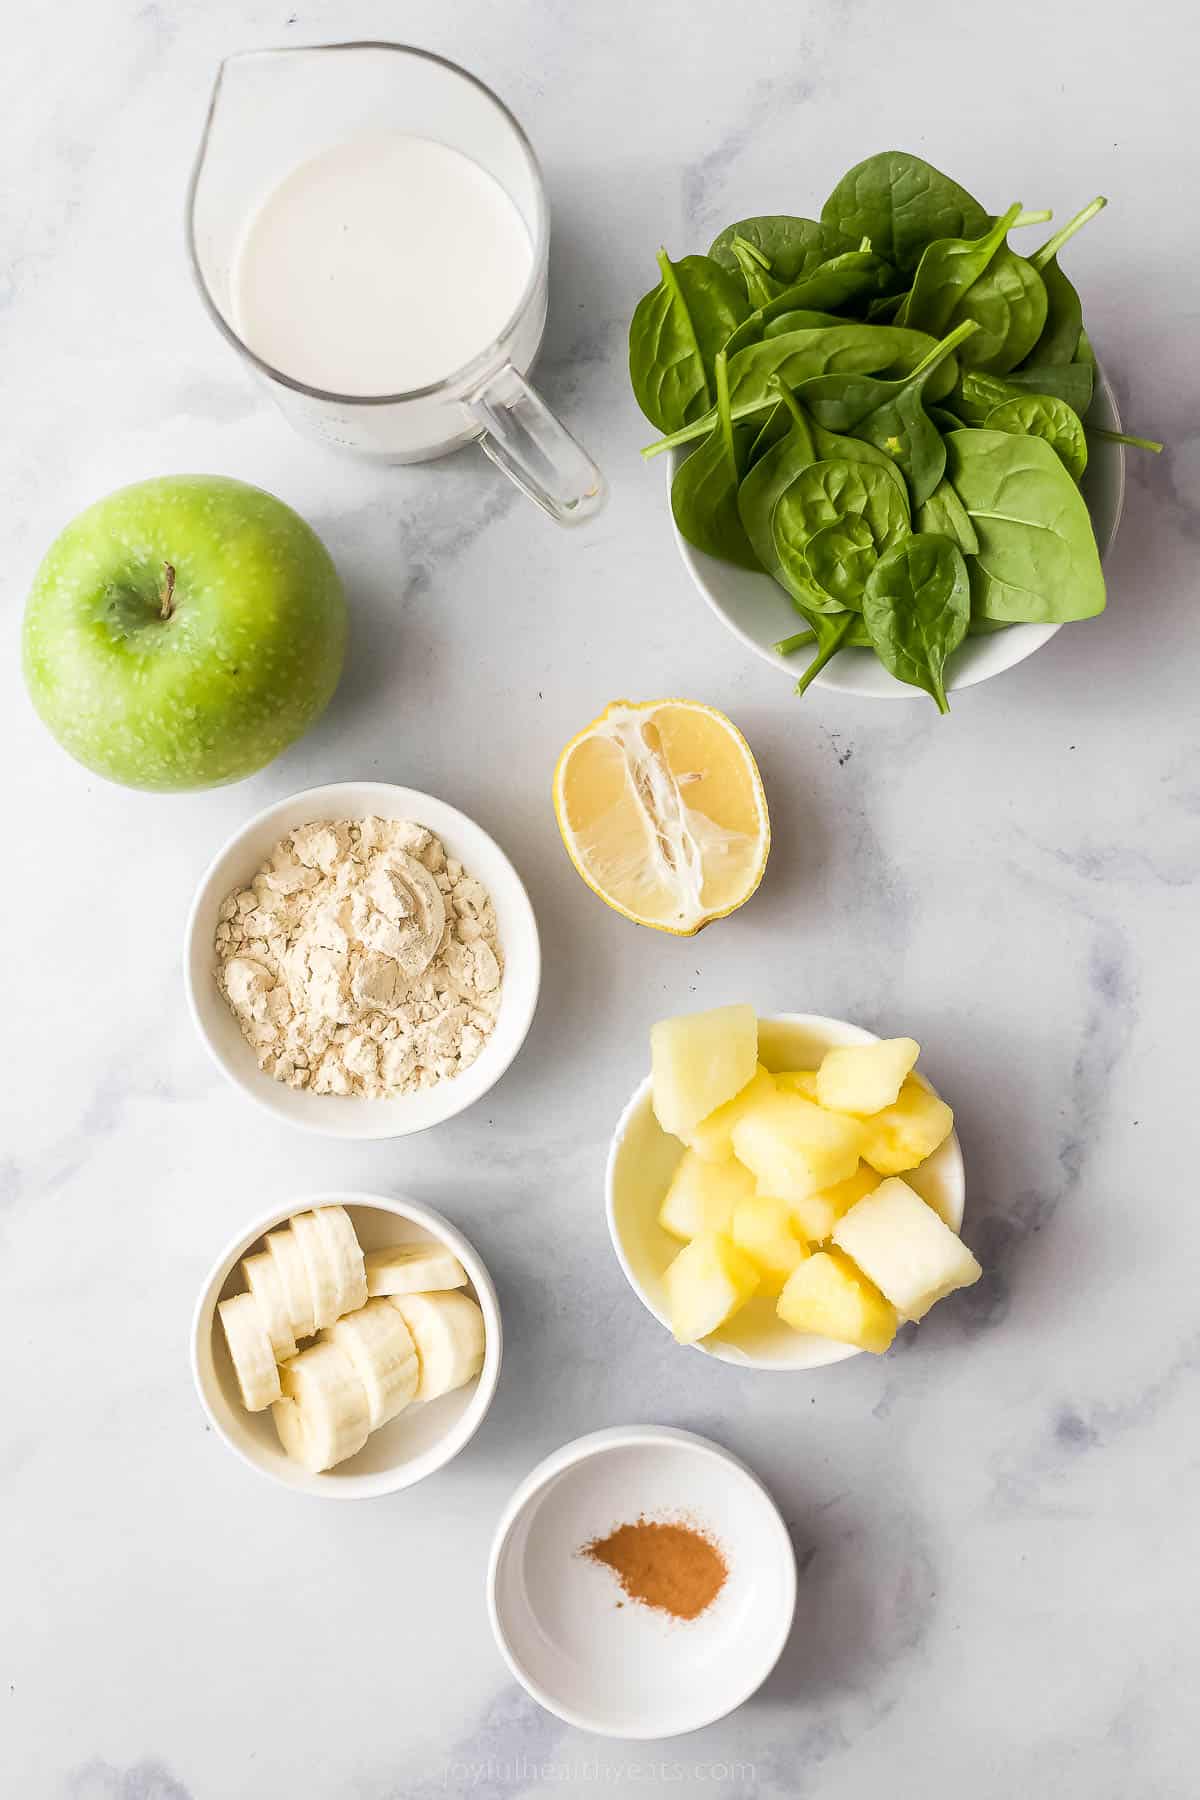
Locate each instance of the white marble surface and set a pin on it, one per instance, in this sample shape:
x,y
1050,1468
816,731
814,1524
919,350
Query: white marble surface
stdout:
x,y
996,1525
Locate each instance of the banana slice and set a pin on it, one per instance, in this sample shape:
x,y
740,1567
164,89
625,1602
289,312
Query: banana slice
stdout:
x,y
345,1254
293,1273
413,1269
380,1346
320,1266
323,1416
261,1275
250,1349
448,1332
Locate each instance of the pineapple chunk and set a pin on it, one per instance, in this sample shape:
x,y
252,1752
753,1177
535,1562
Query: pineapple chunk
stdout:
x,y
799,1081
815,1216
763,1229
905,1249
702,1196
903,1135
706,1284
793,1148
712,1138
700,1061
864,1078
829,1296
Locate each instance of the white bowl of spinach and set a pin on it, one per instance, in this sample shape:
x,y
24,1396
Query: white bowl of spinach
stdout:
x,y
894,463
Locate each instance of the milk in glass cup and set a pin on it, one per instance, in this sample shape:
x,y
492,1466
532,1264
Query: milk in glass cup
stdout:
x,y
369,229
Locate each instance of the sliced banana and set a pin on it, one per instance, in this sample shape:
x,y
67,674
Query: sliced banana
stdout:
x,y
448,1331
293,1274
324,1416
345,1252
413,1269
320,1266
262,1277
380,1346
250,1349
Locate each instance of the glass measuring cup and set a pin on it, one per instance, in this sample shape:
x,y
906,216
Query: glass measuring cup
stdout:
x,y
272,110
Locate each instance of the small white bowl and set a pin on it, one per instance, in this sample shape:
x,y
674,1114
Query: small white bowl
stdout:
x,y
760,614
338,1115
640,1166
609,1664
422,1438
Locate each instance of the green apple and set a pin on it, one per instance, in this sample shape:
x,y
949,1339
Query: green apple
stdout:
x,y
182,632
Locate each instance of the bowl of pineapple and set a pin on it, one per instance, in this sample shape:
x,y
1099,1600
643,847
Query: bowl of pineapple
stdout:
x,y
785,1192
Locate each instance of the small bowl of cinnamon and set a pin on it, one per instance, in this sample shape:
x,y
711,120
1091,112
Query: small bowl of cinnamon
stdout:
x,y
642,1582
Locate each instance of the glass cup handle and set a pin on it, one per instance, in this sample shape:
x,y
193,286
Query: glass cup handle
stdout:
x,y
522,436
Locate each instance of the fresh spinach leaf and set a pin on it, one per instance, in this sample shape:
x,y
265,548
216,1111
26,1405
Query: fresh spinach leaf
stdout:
x,y
792,247
977,392
705,489
1037,556
985,627
1064,319
883,310
832,446
889,413
901,203
942,417
1073,382
676,331
761,487
1008,303
945,513
799,358
949,268
840,557
916,606
800,320
829,493
775,426
839,284
795,357
837,287
1041,415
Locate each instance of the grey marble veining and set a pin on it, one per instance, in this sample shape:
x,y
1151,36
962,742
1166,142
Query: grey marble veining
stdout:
x,y
995,1526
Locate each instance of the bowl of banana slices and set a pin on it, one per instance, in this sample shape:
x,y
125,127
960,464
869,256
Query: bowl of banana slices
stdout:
x,y
347,1345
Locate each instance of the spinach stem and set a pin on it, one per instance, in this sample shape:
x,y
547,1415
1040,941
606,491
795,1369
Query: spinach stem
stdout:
x,y
752,250
1053,245
831,647
724,420
1124,437
1031,218
779,386
940,351
797,641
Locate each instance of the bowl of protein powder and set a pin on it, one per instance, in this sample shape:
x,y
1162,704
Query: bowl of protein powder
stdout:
x,y
362,960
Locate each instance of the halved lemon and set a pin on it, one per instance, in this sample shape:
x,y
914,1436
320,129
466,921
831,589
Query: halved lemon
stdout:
x,y
661,808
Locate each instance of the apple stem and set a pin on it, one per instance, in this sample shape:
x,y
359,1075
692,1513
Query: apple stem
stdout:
x,y
168,591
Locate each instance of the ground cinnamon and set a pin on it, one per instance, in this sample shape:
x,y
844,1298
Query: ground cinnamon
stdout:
x,y
672,1567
